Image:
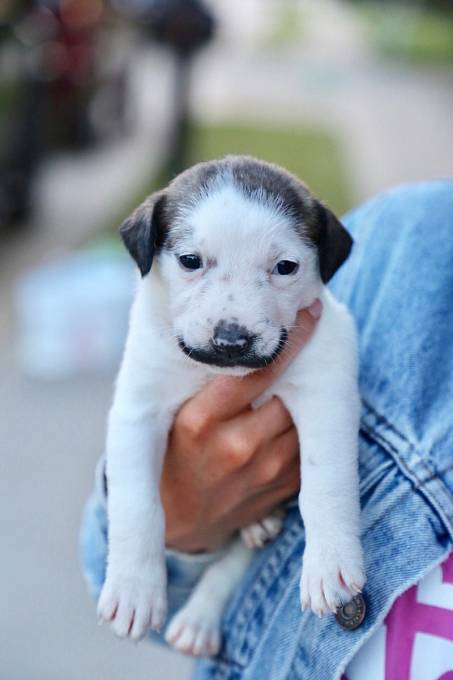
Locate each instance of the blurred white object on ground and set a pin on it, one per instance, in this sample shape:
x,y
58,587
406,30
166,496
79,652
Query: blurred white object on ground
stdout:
x,y
72,314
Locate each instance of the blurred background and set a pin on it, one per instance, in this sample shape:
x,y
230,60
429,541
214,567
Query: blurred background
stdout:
x,y
102,101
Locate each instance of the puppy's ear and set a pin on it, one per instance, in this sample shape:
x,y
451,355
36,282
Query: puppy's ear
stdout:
x,y
334,244
142,232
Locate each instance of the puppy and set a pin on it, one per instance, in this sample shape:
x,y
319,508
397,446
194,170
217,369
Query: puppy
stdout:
x,y
238,246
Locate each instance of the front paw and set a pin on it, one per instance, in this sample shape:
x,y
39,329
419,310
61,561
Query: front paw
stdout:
x,y
135,601
331,575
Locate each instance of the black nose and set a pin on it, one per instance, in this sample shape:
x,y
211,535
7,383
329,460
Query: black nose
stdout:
x,y
231,339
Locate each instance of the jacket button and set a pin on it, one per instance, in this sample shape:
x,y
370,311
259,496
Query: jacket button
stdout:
x,y
351,615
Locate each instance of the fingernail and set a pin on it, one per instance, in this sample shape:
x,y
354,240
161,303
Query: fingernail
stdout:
x,y
315,309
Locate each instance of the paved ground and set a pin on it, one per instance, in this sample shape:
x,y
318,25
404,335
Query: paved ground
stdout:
x,y
394,124
52,434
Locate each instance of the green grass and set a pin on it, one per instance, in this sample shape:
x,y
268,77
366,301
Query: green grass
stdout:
x,y
312,154
415,34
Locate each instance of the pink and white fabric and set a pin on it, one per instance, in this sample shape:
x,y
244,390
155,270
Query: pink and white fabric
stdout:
x,y
415,642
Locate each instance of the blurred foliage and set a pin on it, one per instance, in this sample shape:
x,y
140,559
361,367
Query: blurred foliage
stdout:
x,y
311,154
411,31
288,26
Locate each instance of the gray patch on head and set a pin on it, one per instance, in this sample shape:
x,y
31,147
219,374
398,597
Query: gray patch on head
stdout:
x,y
258,180
264,183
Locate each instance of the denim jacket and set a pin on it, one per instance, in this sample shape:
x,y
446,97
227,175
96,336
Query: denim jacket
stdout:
x,y
398,283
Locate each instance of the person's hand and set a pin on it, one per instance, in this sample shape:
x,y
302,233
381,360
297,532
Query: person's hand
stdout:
x,y
228,465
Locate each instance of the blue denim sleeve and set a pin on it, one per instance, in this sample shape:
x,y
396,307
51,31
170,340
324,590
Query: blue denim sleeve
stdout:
x,y
183,570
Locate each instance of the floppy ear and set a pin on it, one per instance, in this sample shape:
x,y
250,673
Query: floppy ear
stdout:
x,y
334,243
142,232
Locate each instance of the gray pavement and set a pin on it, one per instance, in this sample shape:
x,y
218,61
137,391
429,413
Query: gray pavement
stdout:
x,y
394,124
52,433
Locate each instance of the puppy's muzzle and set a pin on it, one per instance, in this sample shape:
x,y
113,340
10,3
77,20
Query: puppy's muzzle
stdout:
x,y
232,346
231,340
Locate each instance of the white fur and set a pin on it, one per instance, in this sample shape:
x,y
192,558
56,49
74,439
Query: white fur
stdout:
x,y
242,239
256,535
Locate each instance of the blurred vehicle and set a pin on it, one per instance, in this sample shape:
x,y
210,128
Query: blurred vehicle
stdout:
x,y
52,65
63,79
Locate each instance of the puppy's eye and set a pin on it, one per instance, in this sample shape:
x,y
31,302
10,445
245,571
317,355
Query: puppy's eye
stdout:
x,y
285,267
190,262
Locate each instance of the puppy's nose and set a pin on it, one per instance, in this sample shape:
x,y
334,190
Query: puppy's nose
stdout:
x,y
231,338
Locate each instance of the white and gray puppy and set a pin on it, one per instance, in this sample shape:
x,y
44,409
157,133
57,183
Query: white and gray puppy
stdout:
x,y
238,246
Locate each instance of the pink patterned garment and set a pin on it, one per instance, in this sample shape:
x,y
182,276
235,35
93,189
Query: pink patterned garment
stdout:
x,y
415,641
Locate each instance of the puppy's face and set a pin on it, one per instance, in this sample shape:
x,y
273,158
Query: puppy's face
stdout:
x,y
237,273
238,248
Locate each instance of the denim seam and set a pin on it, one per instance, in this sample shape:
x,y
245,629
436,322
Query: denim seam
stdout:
x,y
427,483
375,475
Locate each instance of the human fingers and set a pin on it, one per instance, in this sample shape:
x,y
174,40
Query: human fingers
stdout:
x,y
225,397
239,438
270,465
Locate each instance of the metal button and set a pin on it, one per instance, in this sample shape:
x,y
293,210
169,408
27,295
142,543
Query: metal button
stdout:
x,y
351,615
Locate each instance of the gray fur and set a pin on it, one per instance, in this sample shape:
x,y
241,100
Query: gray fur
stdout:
x,y
158,222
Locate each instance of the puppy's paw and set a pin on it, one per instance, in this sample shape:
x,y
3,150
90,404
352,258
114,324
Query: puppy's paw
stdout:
x,y
331,575
258,534
194,631
134,602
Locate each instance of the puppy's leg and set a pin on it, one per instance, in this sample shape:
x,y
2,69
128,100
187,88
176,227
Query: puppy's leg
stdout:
x,y
196,628
325,405
256,535
133,597
329,500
